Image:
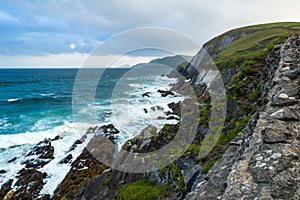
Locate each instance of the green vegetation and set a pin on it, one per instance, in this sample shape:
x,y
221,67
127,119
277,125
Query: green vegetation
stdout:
x,y
64,198
250,46
207,166
222,144
247,69
258,41
193,148
253,96
177,176
107,179
204,118
144,189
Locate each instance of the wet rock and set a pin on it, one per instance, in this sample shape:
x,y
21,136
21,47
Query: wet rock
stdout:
x,y
57,138
12,160
2,171
39,155
29,183
141,140
165,93
161,118
66,159
173,118
77,142
154,108
175,107
146,94
5,188
159,108
110,131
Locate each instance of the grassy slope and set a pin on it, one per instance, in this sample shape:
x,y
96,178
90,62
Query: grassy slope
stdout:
x,y
253,44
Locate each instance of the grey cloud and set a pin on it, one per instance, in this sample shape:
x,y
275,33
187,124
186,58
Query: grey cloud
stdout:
x,y
60,22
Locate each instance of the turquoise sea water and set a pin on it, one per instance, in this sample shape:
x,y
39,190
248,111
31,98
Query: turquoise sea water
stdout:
x,y
40,99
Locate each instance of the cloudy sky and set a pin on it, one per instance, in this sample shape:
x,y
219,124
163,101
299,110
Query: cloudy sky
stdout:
x,y
62,33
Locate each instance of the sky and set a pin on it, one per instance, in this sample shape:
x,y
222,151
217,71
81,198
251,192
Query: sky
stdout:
x,y
62,33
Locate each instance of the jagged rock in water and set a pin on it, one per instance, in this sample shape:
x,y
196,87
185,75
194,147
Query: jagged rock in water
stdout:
x,y
40,155
30,183
92,162
165,93
66,159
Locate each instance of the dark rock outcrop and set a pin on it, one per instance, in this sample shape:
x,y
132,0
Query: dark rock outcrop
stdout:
x,y
29,180
146,94
5,188
40,155
90,163
165,93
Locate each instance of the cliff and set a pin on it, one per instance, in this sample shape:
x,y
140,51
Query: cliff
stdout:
x,y
262,162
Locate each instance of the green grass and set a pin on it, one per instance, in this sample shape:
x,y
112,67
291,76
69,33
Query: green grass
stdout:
x,y
255,43
207,166
253,96
144,189
222,144
177,177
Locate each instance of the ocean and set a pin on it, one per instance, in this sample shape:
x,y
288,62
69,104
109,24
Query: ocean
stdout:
x,y
37,104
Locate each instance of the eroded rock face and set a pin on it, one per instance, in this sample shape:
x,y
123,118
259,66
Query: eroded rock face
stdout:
x,y
265,163
92,162
40,155
29,180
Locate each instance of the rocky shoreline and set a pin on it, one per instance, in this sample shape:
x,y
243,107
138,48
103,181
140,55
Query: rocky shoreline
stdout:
x,y
30,180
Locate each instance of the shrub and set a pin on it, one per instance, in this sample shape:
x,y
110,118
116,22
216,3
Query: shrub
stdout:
x,y
247,69
207,166
144,189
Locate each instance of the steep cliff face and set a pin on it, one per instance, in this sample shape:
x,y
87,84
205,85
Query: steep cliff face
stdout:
x,y
262,162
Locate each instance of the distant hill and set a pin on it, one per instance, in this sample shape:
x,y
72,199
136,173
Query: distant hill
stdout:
x,y
171,61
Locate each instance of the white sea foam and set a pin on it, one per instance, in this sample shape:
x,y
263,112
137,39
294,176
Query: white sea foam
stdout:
x,y
129,114
13,100
18,146
47,94
55,171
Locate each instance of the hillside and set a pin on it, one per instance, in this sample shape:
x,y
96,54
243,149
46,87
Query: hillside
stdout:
x,y
170,61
